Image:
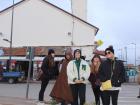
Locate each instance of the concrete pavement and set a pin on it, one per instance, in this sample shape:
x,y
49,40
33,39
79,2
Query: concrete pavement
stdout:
x,y
14,94
16,101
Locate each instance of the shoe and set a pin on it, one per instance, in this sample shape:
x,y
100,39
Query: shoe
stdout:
x,y
138,96
41,103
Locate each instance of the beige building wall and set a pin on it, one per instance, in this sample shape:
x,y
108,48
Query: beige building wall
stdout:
x,y
37,23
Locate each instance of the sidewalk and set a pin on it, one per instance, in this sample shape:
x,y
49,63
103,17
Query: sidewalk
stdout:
x,y
16,101
20,101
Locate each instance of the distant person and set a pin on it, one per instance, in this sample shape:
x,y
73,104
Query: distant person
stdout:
x,y
61,91
78,72
47,68
1,70
94,78
111,69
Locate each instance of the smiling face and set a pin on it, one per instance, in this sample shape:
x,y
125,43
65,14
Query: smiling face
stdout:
x,y
67,56
77,55
109,54
96,59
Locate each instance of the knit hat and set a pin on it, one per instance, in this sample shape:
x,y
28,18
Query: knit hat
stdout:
x,y
50,51
110,48
77,50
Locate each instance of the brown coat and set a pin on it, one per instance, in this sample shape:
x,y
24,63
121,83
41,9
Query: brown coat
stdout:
x,y
61,90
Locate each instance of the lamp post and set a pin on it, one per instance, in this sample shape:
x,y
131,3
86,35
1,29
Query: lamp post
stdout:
x,y
135,53
126,55
9,63
121,54
7,40
11,35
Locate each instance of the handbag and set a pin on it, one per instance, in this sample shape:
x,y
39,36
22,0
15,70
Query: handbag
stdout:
x,y
106,85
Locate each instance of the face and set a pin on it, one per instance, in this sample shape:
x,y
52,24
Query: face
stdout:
x,y
68,56
109,55
96,59
77,55
53,54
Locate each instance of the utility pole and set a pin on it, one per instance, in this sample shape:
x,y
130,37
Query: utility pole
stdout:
x,y
11,36
125,54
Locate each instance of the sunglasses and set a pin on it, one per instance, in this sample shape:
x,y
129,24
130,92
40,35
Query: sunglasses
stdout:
x,y
108,52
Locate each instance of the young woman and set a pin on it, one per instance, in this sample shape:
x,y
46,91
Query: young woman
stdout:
x,y
48,67
94,78
61,91
111,69
78,72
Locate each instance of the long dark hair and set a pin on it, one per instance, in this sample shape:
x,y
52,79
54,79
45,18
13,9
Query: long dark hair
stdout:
x,y
94,68
96,56
51,62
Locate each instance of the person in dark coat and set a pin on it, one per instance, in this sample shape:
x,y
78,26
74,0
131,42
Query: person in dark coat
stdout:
x,y
1,70
94,78
111,69
61,91
48,67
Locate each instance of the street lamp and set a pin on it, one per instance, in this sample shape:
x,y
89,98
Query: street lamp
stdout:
x,y
135,53
121,54
126,55
7,40
10,53
11,35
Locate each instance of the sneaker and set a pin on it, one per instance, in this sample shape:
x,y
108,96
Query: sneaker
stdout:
x,y
41,103
138,96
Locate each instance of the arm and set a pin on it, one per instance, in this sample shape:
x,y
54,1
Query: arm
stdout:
x,y
70,71
44,66
122,73
86,74
102,76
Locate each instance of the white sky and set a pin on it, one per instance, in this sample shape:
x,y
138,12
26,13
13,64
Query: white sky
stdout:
x,y
118,21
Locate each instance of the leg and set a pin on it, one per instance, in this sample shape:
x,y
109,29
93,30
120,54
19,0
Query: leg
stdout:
x,y
74,89
63,103
114,95
42,90
106,97
96,91
82,93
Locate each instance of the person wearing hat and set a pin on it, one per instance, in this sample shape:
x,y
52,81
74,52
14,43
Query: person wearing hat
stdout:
x,y
78,72
48,67
113,70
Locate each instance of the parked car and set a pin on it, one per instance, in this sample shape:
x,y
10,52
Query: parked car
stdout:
x,y
13,76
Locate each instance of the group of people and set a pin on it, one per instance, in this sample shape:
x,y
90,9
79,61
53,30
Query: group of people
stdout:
x,y
75,73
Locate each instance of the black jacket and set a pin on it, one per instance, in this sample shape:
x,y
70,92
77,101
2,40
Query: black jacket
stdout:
x,y
48,72
114,68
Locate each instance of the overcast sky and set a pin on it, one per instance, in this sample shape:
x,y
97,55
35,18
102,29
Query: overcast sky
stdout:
x,y
118,21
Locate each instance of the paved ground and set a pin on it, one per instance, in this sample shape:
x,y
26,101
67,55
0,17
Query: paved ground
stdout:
x,y
14,94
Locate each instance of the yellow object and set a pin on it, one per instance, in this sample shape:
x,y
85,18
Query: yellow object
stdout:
x,y
106,85
99,42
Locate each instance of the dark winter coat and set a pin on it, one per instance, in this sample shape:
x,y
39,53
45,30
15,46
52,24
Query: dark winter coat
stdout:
x,y
114,68
48,70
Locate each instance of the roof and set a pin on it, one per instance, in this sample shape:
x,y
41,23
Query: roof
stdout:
x,y
97,29
38,51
